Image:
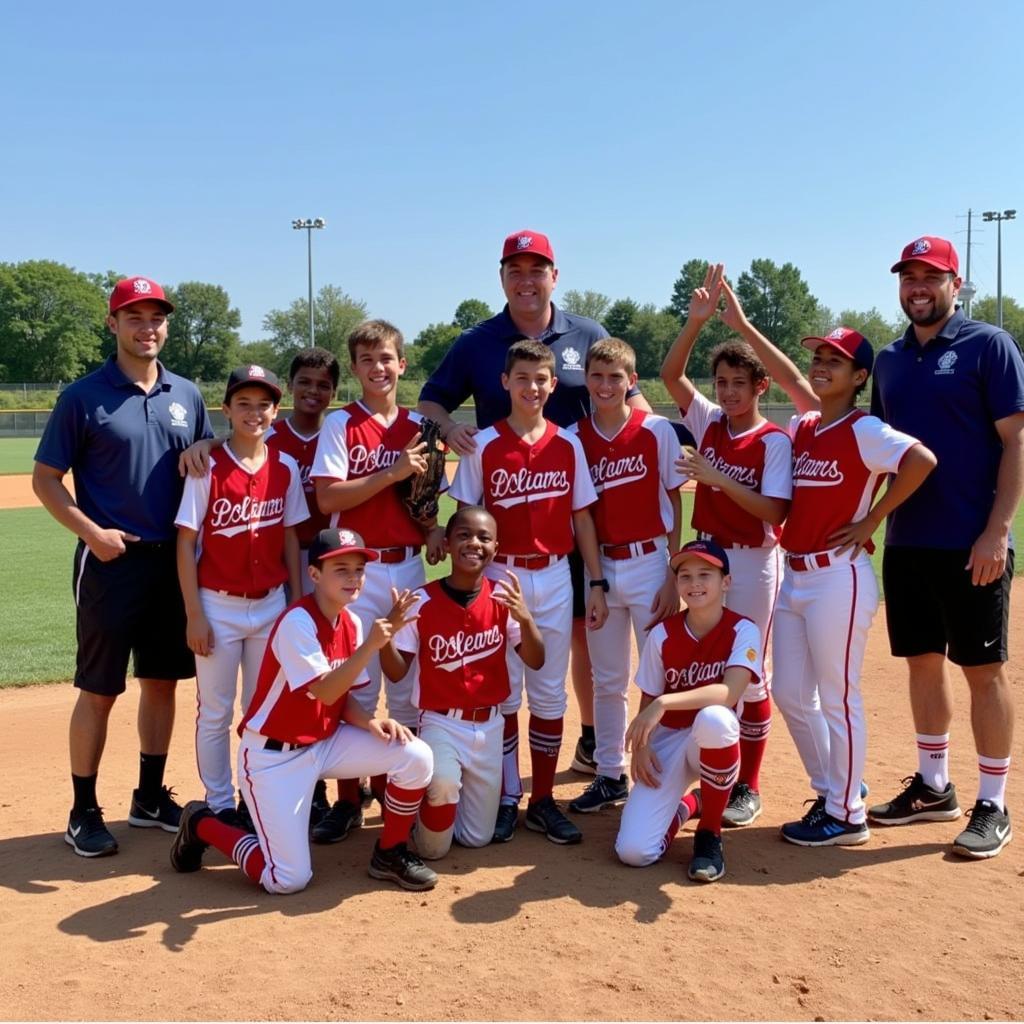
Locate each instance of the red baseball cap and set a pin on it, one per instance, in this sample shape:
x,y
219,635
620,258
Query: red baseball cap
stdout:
x,y
333,542
706,550
526,241
137,289
848,341
936,252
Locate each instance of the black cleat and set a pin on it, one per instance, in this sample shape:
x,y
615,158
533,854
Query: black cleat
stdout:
x,y
187,849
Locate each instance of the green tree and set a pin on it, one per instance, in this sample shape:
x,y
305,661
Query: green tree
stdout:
x,y
431,344
202,337
52,321
714,332
470,312
1013,314
871,324
619,316
263,353
779,304
335,316
588,303
651,332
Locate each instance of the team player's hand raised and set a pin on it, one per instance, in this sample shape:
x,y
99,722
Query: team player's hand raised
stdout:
x,y
401,614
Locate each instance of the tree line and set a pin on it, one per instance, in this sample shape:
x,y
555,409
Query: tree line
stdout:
x,y
53,322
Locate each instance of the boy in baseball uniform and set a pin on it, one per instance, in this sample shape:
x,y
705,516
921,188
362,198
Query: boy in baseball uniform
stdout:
x,y
456,652
366,449
300,727
532,477
237,547
693,670
631,456
829,593
743,467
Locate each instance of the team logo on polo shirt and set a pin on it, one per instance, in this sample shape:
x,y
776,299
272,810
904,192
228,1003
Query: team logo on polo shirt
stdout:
x,y
179,414
946,363
570,359
920,246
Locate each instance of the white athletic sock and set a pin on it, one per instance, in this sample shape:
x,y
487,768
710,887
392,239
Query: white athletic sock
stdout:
x,y
992,772
933,760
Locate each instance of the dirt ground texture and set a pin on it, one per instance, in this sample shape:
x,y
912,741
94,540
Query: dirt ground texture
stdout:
x,y
898,928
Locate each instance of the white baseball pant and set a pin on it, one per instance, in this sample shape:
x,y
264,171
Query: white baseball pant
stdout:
x,y
756,577
648,812
241,629
821,629
278,786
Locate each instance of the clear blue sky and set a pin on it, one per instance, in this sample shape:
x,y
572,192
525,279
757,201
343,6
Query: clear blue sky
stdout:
x,y
179,141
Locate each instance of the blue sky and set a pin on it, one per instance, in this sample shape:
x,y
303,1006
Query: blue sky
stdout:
x,y
179,142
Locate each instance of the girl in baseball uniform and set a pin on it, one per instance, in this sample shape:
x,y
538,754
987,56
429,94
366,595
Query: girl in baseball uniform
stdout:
x,y
743,468
829,593
456,653
237,547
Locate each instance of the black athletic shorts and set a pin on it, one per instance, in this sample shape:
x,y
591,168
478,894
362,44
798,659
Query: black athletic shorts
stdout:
x,y
579,589
931,606
131,605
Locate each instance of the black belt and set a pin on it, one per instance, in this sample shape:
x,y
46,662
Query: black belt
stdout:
x,y
280,745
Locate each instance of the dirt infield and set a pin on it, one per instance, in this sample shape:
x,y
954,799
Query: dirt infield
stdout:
x,y
894,929
16,491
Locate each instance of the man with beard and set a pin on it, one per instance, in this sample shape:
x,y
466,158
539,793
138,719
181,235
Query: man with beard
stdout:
x,y
958,385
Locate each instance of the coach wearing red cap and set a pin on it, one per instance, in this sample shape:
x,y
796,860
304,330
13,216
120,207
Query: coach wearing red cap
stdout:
x,y
958,385
120,431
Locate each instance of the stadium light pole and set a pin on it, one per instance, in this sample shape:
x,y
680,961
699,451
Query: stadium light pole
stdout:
x,y
308,224
990,215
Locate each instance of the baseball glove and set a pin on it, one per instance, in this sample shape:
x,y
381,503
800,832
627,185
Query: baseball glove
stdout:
x,y
422,489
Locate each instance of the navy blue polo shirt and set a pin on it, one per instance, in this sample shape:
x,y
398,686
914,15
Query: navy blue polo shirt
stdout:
x,y
948,394
475,362
122,446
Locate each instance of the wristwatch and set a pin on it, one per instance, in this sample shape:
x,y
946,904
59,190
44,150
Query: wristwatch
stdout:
x,y
602,583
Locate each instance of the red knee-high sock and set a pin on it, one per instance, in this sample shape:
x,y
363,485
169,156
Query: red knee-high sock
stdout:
x,y
348,790
400,809
545,742
437,817
511,783
240,846
718,771
755,723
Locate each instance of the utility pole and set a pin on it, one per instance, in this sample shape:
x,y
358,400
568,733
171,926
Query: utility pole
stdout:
x,y
990,215
308,225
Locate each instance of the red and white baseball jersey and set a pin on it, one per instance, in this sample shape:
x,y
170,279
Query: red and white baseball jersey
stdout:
x,y
531,490
352,445
285,438
240,516
632,474
304,646
837,471
460,652
673,659
760,458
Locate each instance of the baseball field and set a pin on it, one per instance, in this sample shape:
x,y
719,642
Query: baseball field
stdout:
x,y
895,929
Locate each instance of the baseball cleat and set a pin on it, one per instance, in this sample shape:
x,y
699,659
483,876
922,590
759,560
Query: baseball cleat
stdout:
x,y
824,830
583,759
164,812
744,807
319,805
602,792
87,834
505,823
341,820
544,816
187,849
708,864
917,802
399,864
987,832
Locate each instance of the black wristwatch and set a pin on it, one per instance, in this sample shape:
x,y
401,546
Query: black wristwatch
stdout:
x,y
602,583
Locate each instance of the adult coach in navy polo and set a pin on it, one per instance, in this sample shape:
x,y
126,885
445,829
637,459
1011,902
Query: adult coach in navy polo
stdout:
x,y
474,365
120,430
958,385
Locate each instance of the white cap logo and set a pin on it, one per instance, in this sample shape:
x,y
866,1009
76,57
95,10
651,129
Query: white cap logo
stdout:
x,y
920,246
839,333
347,539
257,371
524,241
141,286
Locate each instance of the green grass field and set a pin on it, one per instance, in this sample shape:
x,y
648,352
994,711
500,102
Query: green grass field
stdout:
x,y
16,454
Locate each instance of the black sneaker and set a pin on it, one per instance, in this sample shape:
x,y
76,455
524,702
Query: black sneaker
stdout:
x,y
505,823
187,849
401,865
917,802
343,818
319,806
165,813
744,807
824,830
811,816
231,817
708,864
87,834
583,759
244,817
988,832
602,792
544,816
